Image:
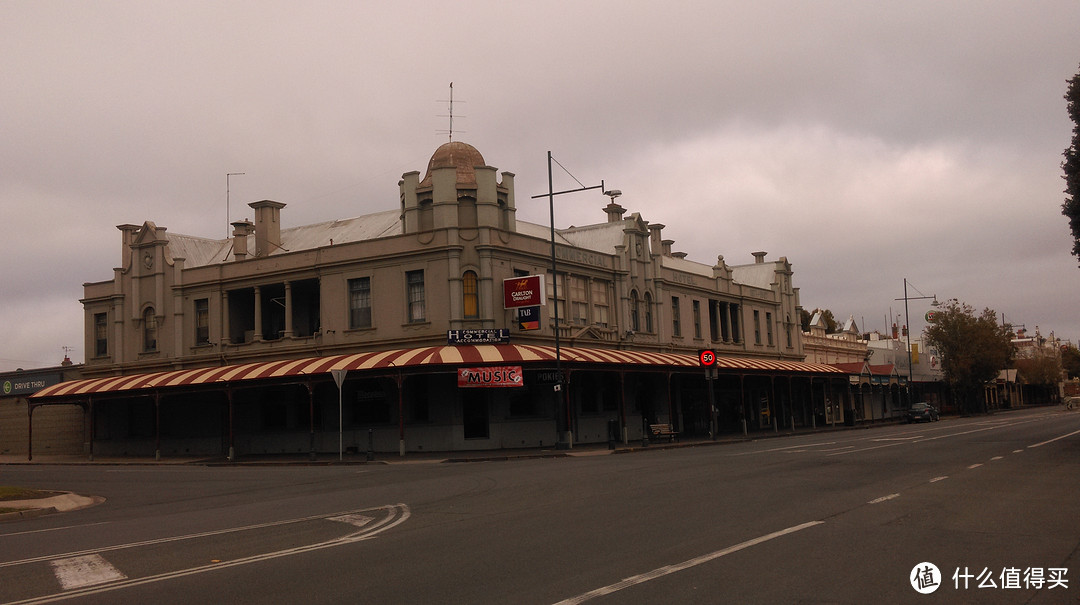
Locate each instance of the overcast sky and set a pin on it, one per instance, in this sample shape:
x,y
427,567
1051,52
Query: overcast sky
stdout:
x,y
868,142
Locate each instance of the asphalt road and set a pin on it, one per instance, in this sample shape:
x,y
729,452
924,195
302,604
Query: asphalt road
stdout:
x,y
840,517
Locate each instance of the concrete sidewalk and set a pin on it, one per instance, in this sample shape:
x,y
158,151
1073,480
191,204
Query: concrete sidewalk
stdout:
x,y
44,506
328,459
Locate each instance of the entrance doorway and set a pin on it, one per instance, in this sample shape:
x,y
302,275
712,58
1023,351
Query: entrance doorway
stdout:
x,y
474,413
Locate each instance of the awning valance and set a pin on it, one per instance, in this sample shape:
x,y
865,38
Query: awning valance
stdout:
x,y
411,358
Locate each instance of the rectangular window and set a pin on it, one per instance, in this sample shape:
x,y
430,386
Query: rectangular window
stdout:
x,y
714,321
696,309
149,330
768,328
101,334
360,303
676,320
601,306
415,283
579,301
757,327
202,321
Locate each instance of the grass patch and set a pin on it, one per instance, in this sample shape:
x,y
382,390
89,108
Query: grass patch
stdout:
x,y
8,492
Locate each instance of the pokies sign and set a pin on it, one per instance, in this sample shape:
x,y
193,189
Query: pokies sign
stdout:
x,y
524,291
497,376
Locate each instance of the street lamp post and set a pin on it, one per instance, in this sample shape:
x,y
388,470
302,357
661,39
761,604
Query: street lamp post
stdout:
x,y
907,327
568,436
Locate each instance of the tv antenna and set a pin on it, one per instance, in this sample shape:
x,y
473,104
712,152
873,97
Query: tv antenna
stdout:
x,y
228,218
450,115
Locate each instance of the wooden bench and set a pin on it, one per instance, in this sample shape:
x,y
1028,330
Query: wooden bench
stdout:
x,y
656,431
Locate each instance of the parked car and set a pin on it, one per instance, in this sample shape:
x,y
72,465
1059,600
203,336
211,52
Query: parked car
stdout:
x,y
922,411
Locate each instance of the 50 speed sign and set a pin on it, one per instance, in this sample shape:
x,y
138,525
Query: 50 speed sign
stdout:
x,y
707,357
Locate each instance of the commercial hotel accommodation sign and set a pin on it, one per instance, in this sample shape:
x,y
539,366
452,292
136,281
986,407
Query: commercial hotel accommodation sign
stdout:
x,y
499,376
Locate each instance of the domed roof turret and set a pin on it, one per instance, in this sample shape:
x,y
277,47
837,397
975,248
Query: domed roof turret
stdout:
x,y
455,154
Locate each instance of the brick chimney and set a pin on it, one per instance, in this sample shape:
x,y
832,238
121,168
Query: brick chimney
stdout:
x,y
241,231
759,257
655,239
267,226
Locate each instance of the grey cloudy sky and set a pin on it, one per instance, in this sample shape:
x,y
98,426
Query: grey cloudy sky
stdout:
x,y
866,141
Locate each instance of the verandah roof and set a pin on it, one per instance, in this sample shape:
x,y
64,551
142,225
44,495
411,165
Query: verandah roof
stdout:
x,y
404,358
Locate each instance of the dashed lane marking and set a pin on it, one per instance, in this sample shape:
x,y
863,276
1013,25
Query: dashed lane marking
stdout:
x,y
883,499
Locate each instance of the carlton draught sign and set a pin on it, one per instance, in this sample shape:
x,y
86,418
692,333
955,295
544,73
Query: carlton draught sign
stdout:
x,y
525,291
499,376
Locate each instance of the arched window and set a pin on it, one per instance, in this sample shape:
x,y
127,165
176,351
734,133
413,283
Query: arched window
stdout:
x,y
648,313
470,299
635,322
149,330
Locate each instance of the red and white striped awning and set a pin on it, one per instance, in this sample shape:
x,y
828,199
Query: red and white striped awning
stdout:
x,y
406,358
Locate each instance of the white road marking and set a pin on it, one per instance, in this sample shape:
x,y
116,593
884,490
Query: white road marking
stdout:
x,y
165,540
977,465
997,458
670,569
883,499
936,479
1054,439
37,531
87,570
780,449
352,519
866,449
989,428
898,438
395,515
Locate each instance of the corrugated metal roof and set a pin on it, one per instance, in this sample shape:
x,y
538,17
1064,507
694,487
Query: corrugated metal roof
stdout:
x,y
601,237
687,266
758,275
405,358
198,251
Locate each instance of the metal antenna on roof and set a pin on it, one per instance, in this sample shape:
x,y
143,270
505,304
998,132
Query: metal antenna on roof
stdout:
x,y
228,218
450,115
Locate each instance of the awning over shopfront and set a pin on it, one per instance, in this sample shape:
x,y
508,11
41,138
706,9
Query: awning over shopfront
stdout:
x,y
409,358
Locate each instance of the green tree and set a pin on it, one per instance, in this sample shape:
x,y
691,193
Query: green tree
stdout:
x,y
1071,165
1042,369
974,349
826,316
1070,361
